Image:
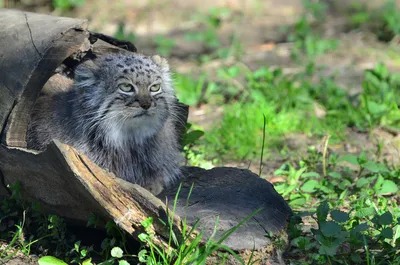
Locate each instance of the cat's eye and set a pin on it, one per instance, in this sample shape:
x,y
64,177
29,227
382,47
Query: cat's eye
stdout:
x,y
155,88
125,87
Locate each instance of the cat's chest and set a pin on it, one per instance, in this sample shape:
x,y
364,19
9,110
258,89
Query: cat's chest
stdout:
x,y
131,162
125,155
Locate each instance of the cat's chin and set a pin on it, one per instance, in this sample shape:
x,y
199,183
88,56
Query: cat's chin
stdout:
x,y
121,136
136,129
141,128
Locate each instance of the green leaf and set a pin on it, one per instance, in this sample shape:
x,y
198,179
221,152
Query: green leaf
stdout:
x,y
322,211
387,233
297,202
142,255
362,158
87,262
143,237
385,219
147,222
367,211
110,225
374,167
345,184
328,250
378,182
340,216
76,246
50,260
310,175
117,252
362,182
376,108
299,172
193,136
112,242
327,190
335,175
301,242
361,227
288,189
388,187
352,159
123,262
329,229
310,186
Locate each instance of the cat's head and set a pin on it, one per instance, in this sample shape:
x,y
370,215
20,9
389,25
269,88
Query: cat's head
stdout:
x,y
131,96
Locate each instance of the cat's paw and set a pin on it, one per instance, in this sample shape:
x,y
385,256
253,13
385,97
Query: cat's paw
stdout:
x,y
156,187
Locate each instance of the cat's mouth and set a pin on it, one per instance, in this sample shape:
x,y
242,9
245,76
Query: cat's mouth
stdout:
x,y
143,113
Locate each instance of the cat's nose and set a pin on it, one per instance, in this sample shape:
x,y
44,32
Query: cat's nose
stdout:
x,y
145,105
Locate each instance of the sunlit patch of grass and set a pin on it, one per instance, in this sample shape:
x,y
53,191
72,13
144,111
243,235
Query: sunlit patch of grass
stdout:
x,y
307,103
240,131
188,89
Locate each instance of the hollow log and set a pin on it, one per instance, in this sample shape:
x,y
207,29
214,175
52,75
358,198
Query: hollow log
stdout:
x,y
33,47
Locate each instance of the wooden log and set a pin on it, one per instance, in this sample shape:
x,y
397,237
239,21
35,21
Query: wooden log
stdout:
x,y
32,46
63,181
68,184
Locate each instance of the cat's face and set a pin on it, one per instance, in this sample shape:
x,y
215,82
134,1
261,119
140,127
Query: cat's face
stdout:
x,y
131,95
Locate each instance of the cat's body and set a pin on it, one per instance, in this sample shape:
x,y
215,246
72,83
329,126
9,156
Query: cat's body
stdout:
x,y
120,111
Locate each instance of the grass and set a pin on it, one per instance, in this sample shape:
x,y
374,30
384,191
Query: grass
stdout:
x,y
346,204
382,21
307,103
65,5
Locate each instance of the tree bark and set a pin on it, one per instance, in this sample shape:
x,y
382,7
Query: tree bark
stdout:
x,y
65,182
33,47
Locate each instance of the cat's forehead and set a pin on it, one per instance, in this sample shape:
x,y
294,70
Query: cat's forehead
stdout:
x,y
140,69
134,62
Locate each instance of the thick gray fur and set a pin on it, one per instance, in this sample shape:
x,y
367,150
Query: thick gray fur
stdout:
x,y
130,133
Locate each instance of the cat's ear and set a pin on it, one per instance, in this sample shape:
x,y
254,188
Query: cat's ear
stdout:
x,y
86,73
161,62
